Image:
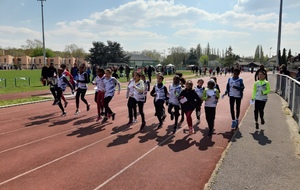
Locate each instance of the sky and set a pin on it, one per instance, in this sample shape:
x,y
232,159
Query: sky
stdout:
x,y
153,24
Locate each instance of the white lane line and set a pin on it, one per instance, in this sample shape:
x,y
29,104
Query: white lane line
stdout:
x,y
62,157
38,140
132,163
57,159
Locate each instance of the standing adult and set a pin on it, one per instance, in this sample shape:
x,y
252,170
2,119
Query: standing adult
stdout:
x,y
44,75
149,73
52,79
74,71
284,70
127,72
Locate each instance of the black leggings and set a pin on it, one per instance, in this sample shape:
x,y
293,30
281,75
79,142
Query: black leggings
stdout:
x,y
259,106
175,113
131,104
159,109
107,108
141,110
81,92
238,107
210,114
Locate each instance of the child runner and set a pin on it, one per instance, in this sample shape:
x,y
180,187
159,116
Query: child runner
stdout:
x,y
182,83
211,97
139,96
234,89
131,105
216,86
110,84
62,83
260,93
174,91
160,92
71,80
82,88
199,90
146,84
100,92
189,99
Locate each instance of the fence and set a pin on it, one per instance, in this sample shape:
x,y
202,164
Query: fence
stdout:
x,y
25,81
2,82
289,89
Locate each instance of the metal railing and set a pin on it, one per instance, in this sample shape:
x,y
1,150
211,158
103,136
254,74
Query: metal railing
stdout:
x,y
289,89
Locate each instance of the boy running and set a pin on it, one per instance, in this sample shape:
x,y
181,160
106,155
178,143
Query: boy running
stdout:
x,y
174,91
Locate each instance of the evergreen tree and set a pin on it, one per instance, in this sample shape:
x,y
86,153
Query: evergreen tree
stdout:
x,y
283,57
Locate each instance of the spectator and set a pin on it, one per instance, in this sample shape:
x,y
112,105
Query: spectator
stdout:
x,y
74,71
127,72
44,75
284,70
298,75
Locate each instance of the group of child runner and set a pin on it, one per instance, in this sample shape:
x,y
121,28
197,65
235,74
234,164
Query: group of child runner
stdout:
x,y
179,95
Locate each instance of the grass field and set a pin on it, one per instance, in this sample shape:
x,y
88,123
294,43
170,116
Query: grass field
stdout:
x,y
21,85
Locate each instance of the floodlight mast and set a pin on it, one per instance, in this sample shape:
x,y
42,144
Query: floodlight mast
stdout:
x,y
44,50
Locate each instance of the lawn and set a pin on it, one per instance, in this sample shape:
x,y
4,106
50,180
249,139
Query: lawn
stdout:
x,y
20,85
14,85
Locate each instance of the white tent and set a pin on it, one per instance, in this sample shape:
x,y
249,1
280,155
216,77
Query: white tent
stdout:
x,y
170,65
159,65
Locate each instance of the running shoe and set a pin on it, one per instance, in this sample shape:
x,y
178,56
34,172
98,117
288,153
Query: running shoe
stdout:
x,y
191,131
98,118
233,124
113,115
104,120
63,114
76,112
159,126
256,126
143,126
134,121
262,121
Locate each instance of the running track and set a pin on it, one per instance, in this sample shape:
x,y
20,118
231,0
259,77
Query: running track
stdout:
x,y
41,150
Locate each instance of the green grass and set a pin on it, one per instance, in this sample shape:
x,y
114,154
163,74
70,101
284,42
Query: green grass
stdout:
x,y
35,84
22,85
22,100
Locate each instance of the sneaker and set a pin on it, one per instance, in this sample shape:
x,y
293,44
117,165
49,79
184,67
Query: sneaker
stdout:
x,y
113,115
233,124
159,126
174,130
134,121
163,117
237,123
191,131
56,102
64,114
88,107
262,121
104,120
142,126
256,126
172,116
198,121
98,118
76,112
129,122
66,104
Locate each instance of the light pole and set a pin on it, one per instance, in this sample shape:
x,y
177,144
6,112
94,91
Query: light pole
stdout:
x,y
44,50
279,33
270,52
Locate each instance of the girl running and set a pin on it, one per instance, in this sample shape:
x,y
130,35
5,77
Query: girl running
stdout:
x,y
210,96
234,89
260,93
71,80
174,91
82,88
139,96
189,99
160,92
199,90
100,92
62,83
131,105
110,84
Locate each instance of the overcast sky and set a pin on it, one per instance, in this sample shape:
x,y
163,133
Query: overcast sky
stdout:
x,y
153,24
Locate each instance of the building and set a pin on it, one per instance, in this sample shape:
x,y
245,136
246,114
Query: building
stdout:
x,y
141,60
6,61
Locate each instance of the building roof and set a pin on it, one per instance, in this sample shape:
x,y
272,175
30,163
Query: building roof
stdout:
x,y
140,57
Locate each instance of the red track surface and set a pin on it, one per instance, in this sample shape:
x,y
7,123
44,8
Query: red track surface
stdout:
x,y
41,150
